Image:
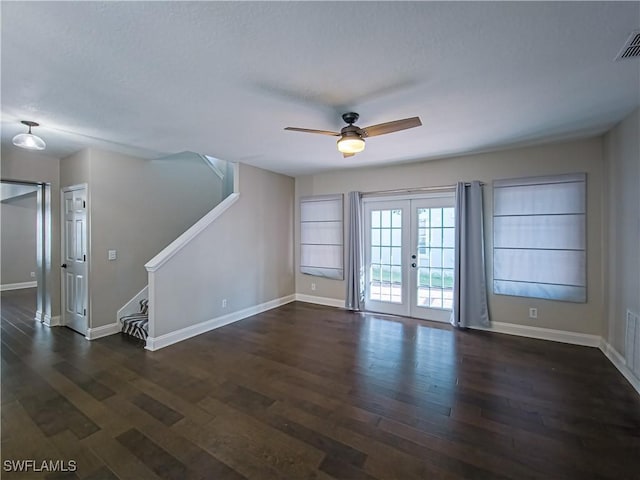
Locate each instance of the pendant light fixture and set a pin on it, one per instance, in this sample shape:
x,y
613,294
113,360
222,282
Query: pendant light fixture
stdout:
x,y
29,140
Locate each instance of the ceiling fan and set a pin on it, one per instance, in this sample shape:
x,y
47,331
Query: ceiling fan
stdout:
x,y
352,137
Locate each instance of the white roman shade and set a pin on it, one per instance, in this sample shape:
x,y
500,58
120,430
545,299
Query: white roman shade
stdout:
x,y
539,230
321,236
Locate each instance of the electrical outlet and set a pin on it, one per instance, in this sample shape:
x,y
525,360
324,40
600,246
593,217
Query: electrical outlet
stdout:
x,y
33,274
533,313
224,303
313,287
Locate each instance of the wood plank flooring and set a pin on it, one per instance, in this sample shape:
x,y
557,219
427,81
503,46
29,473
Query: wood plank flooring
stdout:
x,y
305,391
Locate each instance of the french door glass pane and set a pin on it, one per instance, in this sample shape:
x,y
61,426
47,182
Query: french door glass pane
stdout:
x,y
448,217
435,237
447,257
375,236
385,276
396,254
448,237
435,257
386,218
436,217
447,288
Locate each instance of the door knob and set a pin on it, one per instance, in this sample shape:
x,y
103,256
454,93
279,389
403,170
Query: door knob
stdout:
x,y
413,256
64,265
413,265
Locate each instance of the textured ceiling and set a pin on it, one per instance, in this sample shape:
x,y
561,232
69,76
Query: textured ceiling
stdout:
x,y
225,78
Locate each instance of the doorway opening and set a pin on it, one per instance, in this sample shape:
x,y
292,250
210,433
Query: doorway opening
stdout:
x,y
18,195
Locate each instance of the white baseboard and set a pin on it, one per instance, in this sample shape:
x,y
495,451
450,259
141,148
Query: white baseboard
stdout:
x,y
572,338
47,319
18,286
329,302
544,334
54,321
103,331
550,334
203,327
620,363
562,336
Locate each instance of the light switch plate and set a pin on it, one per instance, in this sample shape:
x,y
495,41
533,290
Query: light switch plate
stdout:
x,y
112,255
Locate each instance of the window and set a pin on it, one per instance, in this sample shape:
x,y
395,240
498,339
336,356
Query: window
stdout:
x,y
539,245
321,236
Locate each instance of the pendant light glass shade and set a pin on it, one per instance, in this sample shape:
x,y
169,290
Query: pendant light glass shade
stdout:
x,y
29,140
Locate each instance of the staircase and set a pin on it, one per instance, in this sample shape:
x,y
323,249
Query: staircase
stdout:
x,y
133,317
235,262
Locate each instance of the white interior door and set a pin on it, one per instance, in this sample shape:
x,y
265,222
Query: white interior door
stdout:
x,y
74,266
409,256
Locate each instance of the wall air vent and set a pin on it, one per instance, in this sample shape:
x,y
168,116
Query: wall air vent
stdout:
x,y
631,48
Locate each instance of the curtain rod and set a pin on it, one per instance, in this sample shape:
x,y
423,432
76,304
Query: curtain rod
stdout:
x,y
416,190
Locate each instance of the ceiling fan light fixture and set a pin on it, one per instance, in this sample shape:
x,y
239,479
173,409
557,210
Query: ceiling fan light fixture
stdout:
x,y
29,140
351,144
352,137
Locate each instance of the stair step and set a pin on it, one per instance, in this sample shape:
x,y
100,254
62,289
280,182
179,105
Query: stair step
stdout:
x,y
137,324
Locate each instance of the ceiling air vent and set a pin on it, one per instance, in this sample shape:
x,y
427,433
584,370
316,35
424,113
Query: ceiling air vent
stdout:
x,y
631,47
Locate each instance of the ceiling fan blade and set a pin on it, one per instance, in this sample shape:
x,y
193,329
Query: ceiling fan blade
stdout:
x,y
346,155
390,127
308,130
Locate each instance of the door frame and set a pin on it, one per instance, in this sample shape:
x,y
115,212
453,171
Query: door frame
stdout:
x,y
63,288
43,248
408,203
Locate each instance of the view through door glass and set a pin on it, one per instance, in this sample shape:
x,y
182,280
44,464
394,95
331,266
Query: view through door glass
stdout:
x,y
434,269
386,256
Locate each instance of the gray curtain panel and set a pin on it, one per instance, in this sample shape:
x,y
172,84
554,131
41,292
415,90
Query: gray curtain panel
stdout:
x,y
355,248
470,285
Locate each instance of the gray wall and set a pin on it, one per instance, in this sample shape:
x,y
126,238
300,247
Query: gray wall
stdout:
x,y
577,156
18,243
136,207
622,154
244,256
74,169
20,164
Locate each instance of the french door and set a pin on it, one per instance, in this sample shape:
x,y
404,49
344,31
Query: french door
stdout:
x,y
409,256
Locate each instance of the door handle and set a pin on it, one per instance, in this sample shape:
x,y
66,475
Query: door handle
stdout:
x,y
64,265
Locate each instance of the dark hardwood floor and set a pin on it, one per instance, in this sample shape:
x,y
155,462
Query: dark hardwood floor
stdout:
x,y
305,391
